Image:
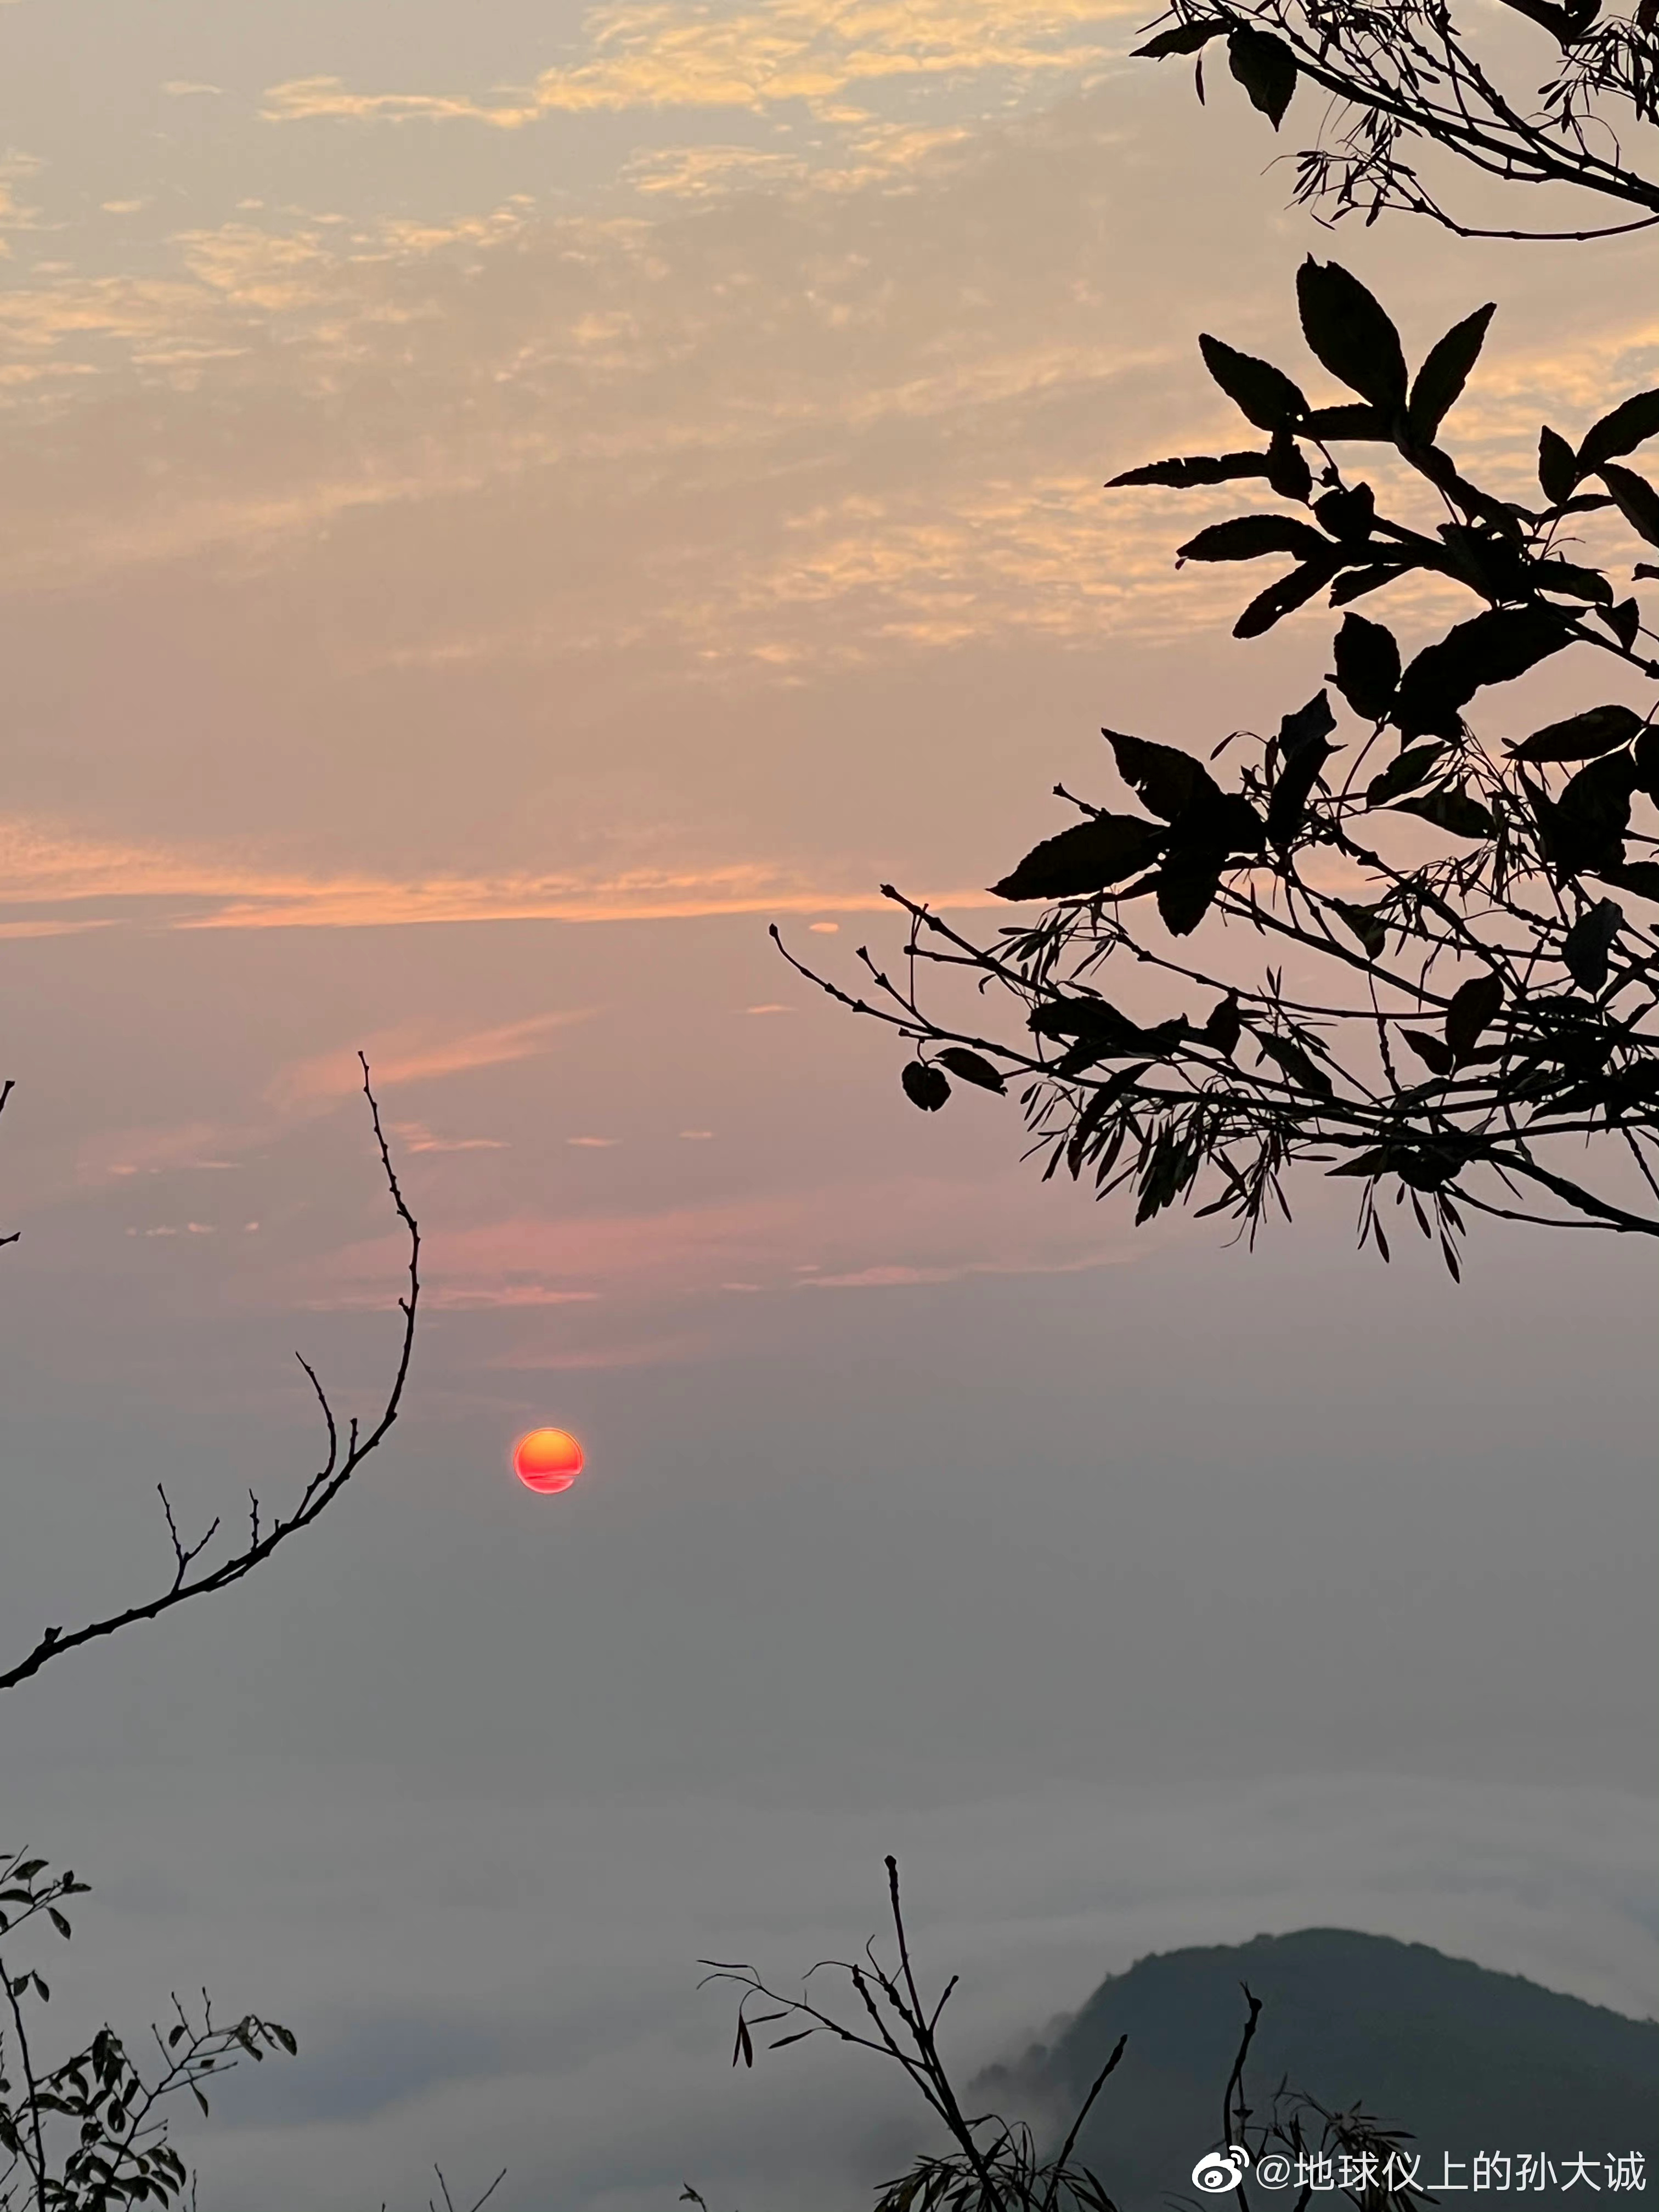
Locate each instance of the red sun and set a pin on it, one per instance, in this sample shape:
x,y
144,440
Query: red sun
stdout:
x,y
547,1460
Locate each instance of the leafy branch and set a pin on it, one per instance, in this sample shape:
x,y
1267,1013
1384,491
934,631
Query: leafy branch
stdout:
x,y
1480,1008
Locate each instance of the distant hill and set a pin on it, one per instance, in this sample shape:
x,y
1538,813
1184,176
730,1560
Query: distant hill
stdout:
x,y
1465,2059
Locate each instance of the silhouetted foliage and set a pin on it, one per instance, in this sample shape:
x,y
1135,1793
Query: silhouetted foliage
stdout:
x,y
1398,78
1472,959
999,2165
88,2133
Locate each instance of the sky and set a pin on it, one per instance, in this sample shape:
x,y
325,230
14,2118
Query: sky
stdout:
x,y
501,504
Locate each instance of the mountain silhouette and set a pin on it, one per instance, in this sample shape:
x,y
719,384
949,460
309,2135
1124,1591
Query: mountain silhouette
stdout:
x,y
1466,2060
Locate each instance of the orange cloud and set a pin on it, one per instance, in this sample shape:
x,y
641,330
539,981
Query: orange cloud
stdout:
x,y
411,1054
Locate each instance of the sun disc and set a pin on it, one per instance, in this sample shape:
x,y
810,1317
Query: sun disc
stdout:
x,y
547,1460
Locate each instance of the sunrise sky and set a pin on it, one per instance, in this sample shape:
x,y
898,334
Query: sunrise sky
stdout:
x,y
501,502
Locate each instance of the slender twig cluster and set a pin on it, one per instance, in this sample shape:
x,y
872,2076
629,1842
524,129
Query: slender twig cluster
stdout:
x,y
345,1454
1402,76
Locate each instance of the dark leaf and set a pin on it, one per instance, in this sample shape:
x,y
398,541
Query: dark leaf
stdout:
x,y
1569,580
1096,1111
1366,925
1306,728
1593,814
1365,425
1371,578
1302,752
1432,1051
1630,424
1266,67
1623,620
1367,666
1224,1026
1562,23
1107,848
1179,39
1249,537
1264,395
926,1087
1413,767
1588,943
1182,474
1439,383
1635,500
1451,810
1647,762
1581,737
1350,516
744,2047
1492,647
973,1068
782,2042
1347,330
1285,597
1101,1027
1165,779
1287,468
1558,466
1187,883
1473,1008
1296,1063
59,1922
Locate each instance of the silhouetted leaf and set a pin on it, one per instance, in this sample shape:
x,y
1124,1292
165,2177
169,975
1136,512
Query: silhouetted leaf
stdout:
x,y
1096,1111
1296,1063
1302,752
1107,848
1184,472
1593,814
1249,537
1367,666
1187,884
1432,1051
1224,1026
1558,466
1581,737
1287,468
1588,943
1350,516
1266,67
972,1067
1450,809
1371,578
1285,597
1625,620
1179,39
1094,1020
928,1088
1414,766
1473,1008
1366,925
1440,381
1630,424
1641,877
1163,777
1568,579
1264,395
1347,330
1492,647
1635,500
1360,425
